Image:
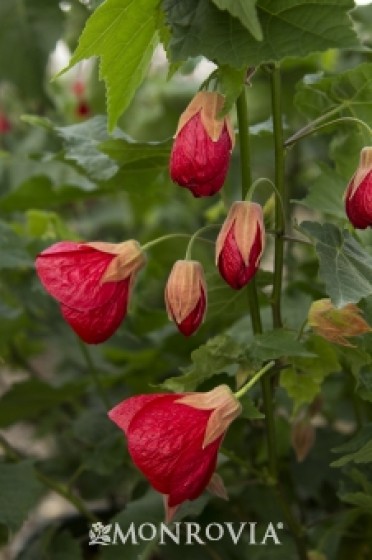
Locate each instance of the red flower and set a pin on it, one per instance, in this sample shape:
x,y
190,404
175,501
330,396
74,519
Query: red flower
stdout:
x,y
201,151
5,124
186,296
174,440
92,282
240,244
358,196
82,109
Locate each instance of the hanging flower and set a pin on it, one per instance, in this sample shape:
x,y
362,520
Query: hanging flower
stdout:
x,y
92,282
240,244
202,148
174,440
358,195
186,296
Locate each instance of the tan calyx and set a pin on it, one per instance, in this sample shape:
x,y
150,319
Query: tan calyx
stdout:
x,y
336,325
225,409
129,259
364,167
183,289
209,104
217,487
244,217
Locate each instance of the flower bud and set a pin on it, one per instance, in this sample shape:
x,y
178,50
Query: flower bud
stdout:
x,y
5,124
358,195
240,244
337,325
202,148
186,296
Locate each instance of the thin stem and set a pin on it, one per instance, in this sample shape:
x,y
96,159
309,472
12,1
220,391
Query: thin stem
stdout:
x,y
306,133
196,236
309,128
94,374
277,193
253,380
60,489
153,242
280,185
245,154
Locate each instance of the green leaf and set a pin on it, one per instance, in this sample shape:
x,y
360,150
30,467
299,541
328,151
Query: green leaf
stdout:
x,y
275,344
350,90
245,11
19,493
82,143
123,34
28,399
29,32
219,354
64,547
326,193
13,252
344,265
232,83
358,449
301,387
291,28
360,500
131,154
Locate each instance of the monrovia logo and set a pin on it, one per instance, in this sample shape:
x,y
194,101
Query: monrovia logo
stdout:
x,y
188,533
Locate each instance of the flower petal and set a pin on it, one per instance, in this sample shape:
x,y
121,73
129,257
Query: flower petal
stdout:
x,y
71,273
192,472
160,432
123,413
97,325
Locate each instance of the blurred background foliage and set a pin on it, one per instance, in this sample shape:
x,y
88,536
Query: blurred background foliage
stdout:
x,y
63,177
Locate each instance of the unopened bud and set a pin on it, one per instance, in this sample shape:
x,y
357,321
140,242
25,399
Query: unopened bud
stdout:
x,y
358,195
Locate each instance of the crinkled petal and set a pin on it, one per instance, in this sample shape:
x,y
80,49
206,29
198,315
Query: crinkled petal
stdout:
x,y
231,264
197,162
71,273
192,322
159,433
123,413
192,472
97,325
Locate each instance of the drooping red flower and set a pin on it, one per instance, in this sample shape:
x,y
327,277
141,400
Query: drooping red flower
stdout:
x,y
202,148
358,195
240,244
92,282
186,296
174,440
5,124
82,109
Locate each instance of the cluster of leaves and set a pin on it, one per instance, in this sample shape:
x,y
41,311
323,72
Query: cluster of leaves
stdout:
x,y
63,180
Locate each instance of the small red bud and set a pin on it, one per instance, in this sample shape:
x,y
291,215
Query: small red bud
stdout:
x,y
201,151
186,296
358,196
240,244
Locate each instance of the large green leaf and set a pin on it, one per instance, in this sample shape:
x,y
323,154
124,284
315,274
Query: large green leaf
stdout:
x,y
357,450
20,491
344,265
291,28
275,344
123,34
13,252
29,30
245,11
326,193
351,91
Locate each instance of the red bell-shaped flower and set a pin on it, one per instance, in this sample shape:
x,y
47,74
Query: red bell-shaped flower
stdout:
x,y
240,244
174,440
358,196
202,148
92,282
186,296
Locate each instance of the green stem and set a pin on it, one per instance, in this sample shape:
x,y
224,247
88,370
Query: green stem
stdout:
x,y
253,380
196,236
309,128
149,244
94,374
261,180
60,489
280,196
